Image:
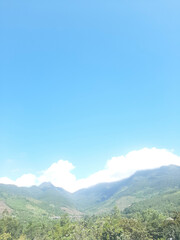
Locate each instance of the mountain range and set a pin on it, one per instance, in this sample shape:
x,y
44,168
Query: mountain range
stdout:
x,y
157,188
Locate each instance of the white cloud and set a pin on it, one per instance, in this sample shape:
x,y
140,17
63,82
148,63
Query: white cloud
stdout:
x,y
116,168
6,180
26,180
59,174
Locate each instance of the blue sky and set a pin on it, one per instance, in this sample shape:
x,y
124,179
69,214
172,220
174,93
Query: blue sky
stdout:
x,y
84,81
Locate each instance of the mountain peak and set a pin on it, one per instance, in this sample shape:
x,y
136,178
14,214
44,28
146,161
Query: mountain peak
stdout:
x,y
46,185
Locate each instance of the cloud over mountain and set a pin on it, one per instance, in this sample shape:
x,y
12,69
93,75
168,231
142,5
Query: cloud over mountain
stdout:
x,y
60,173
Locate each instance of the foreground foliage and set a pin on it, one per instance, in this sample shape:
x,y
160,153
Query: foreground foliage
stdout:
x,y
148,225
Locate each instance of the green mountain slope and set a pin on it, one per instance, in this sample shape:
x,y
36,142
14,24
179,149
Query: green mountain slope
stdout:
x,y
157,188
36,202
166,203
141,186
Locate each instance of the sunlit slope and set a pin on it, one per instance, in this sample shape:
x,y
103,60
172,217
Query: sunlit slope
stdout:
x,y
141,186
43,201
157,188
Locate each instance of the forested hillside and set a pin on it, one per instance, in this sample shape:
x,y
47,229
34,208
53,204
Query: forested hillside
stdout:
x,y
145,206
158,189
35,202
149,185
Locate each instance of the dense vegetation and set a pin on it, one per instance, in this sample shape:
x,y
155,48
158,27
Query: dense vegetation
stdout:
x,y
143,207
158,189
149,224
